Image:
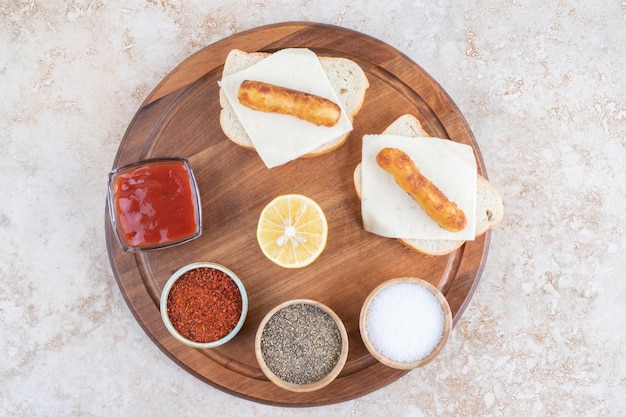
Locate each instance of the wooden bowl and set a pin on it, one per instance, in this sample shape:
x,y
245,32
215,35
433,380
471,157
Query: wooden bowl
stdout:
x,y
417,358
304,386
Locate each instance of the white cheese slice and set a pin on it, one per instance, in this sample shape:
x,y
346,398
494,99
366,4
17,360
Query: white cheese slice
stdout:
x,y
389,211
279,138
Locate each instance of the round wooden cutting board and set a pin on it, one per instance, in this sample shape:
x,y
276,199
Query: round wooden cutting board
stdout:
x,y
181,118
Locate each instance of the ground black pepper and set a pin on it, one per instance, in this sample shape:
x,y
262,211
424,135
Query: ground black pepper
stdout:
x,y
301,343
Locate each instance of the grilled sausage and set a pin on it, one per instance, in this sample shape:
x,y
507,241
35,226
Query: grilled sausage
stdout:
x,y
271,98
432,200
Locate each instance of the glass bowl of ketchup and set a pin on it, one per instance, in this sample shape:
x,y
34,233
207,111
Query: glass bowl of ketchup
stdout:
x,y
154,204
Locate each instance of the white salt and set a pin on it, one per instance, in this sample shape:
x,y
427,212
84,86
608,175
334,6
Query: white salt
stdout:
x,y
405,322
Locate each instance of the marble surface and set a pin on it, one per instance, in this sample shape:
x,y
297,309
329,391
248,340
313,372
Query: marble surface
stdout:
x,y
542,85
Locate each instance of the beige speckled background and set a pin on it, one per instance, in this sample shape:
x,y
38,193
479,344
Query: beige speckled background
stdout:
x,y
541,83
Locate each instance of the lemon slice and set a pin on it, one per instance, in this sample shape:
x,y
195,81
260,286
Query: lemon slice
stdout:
x,y
292,231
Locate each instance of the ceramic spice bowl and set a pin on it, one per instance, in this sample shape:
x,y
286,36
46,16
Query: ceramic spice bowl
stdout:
x,y
405,323
204,305
301,345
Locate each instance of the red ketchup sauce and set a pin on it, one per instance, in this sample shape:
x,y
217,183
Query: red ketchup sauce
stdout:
x,y
155,204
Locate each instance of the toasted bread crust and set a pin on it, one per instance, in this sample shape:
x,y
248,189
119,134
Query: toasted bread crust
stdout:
x,y
346,77
489,210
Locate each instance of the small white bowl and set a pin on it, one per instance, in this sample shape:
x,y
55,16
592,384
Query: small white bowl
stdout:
x,y
434,333
166,291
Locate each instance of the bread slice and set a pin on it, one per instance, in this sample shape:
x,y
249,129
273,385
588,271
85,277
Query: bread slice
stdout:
x,y
346,77
489,205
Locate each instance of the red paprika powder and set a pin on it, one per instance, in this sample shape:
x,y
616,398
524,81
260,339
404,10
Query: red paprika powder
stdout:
x,y
204,305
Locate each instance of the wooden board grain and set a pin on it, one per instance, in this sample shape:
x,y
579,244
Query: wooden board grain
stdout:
x,y
181,118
